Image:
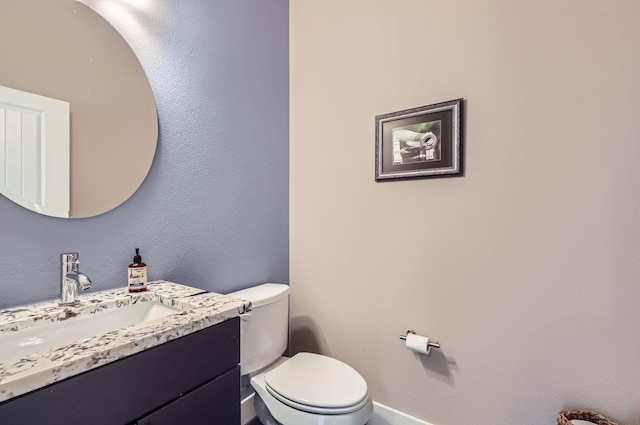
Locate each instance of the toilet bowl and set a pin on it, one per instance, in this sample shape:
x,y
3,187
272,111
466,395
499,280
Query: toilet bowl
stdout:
x,y
311,389
306,389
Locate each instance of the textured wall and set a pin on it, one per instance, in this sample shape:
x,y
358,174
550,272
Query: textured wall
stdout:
x,y
213,212
526,269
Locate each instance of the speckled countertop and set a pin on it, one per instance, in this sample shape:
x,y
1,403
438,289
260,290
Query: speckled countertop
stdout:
x,y
200,309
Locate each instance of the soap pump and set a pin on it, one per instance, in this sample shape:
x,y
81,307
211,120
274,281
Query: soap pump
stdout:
x,y
137,274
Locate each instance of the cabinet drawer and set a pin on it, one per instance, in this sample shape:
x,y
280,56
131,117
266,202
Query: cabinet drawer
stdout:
x,y
217,402
127,389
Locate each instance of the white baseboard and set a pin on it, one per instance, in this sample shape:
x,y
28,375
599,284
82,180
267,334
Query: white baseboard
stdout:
x,y
385,415
382,415
247,411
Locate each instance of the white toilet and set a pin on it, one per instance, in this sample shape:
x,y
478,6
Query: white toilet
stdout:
x,y
306,389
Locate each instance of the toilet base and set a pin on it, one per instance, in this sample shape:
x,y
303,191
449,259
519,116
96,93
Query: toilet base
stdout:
x,y
263,413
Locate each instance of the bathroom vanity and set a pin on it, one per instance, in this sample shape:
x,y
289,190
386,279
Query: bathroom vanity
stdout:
x,y
168,367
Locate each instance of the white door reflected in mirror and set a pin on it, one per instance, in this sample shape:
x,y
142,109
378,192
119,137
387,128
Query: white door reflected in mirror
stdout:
x,y
34,151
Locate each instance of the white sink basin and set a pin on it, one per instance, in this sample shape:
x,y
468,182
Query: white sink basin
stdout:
x,y
20,343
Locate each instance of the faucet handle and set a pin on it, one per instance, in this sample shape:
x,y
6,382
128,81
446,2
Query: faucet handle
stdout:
x,y
69,262
69,257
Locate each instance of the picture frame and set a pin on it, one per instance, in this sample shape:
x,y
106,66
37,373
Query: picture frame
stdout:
x,y
423,142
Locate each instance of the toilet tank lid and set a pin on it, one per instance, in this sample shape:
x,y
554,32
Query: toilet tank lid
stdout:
x,y
262,294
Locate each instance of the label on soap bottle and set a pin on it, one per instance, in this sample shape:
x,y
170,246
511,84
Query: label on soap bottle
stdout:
x,y
138,278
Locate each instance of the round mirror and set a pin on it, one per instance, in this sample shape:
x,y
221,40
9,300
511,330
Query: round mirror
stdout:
x,y
65,51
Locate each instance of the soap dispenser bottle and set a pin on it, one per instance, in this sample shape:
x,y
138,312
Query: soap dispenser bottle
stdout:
x,y
137,274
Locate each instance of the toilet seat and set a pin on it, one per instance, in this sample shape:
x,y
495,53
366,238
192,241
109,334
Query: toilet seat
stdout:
x,y
287,411
316,409
317,384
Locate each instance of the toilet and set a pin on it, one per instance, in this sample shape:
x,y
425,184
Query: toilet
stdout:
x,y
306,389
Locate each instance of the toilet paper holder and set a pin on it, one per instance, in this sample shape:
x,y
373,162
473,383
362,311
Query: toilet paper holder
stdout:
x,y
432,344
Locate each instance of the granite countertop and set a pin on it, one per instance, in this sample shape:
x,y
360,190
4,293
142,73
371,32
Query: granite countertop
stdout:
x,y
200,309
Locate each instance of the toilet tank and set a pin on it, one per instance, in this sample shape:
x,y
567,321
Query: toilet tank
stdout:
x,y
264,331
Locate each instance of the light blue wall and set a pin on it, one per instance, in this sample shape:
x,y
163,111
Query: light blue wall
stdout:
x,y
213,212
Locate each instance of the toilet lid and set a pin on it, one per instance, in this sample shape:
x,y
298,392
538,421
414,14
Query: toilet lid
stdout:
x,y
317,381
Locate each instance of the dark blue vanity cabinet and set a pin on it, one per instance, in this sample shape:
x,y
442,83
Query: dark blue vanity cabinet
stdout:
x,y
194,379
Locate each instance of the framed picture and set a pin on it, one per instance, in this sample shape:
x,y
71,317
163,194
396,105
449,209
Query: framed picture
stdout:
x,y
420,143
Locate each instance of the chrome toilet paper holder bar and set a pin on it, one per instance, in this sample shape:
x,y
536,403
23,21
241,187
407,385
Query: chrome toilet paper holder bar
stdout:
x,y
433,344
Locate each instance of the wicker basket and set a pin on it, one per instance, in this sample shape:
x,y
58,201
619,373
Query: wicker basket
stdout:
x,y
585,415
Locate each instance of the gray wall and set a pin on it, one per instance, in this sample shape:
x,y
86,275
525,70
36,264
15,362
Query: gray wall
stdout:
x,y
213,212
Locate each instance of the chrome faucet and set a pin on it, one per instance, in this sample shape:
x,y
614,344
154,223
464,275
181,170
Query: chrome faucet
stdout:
x,y
71,279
